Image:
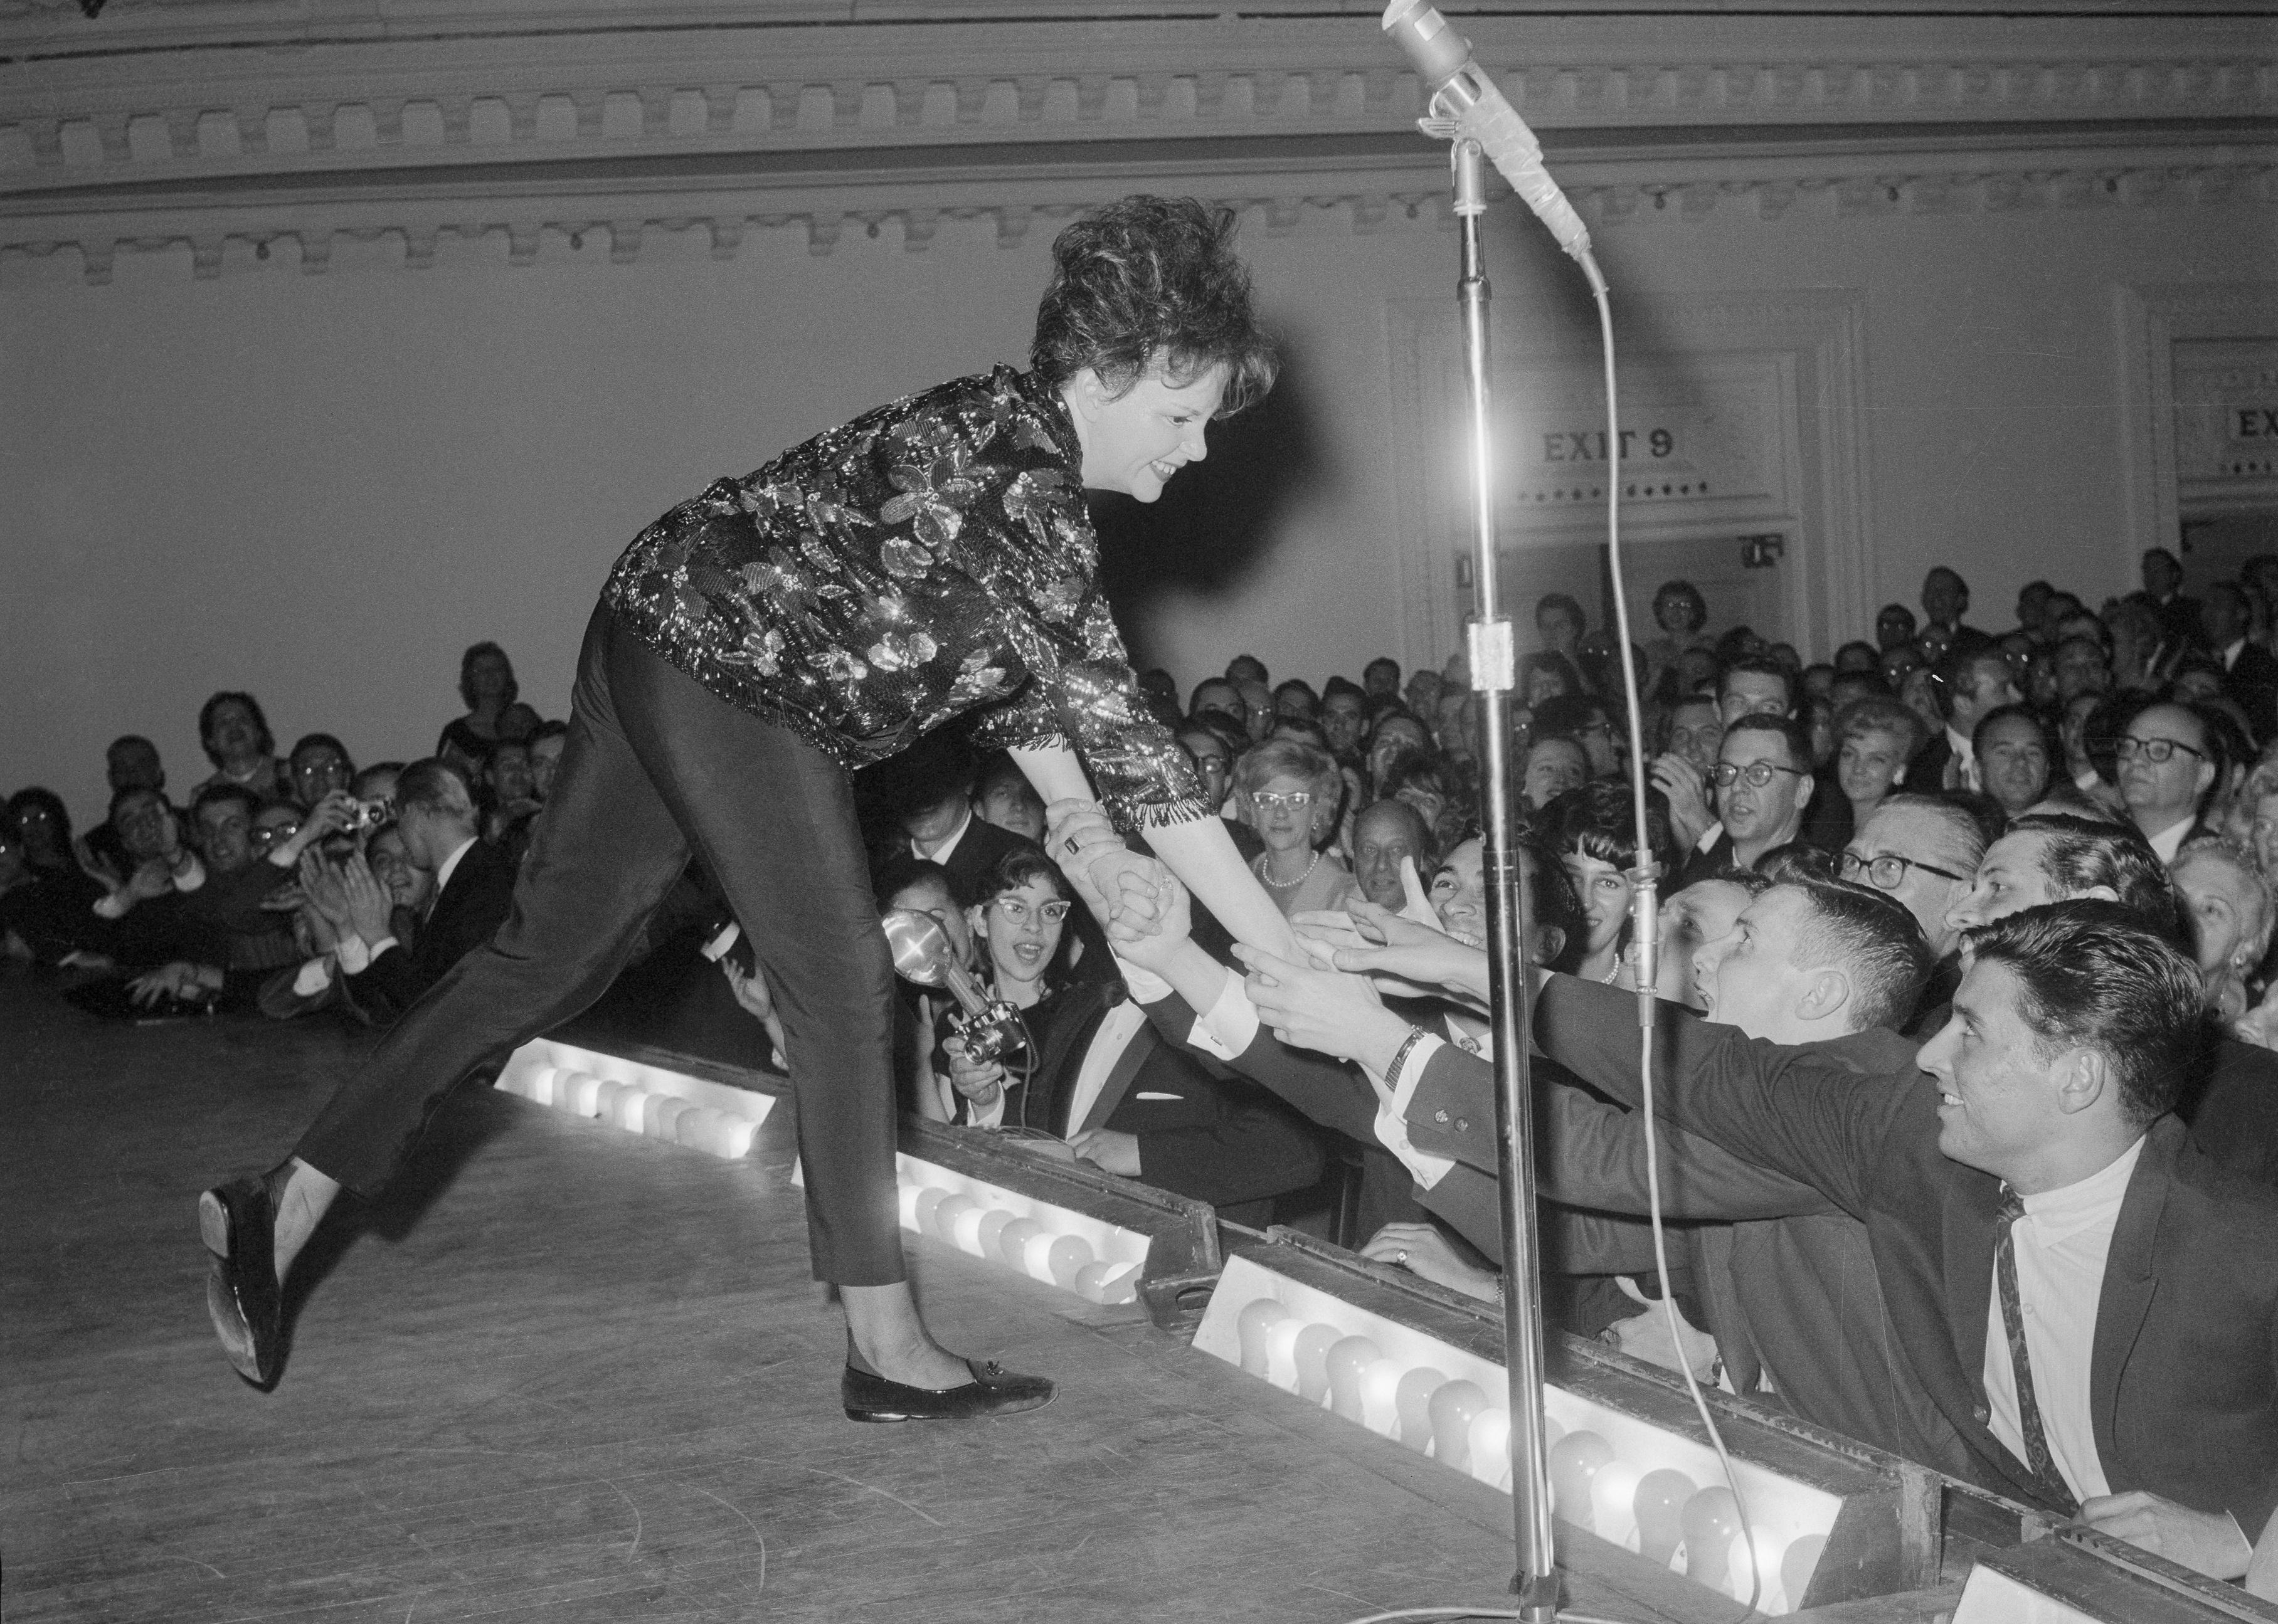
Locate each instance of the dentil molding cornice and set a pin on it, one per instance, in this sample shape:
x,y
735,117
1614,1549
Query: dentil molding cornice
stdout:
x,y
203,121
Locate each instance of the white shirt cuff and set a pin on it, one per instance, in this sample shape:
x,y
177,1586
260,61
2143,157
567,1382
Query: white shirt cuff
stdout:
x,y
315,976
1392,1097
1228,1026
1144,985
356,955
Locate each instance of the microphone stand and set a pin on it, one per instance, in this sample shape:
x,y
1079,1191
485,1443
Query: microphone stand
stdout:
x,y
1493,675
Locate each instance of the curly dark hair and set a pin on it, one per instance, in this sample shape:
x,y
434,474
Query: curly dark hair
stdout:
x,y
1152,280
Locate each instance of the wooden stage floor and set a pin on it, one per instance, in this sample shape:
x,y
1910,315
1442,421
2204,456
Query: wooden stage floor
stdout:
x,y
569,1374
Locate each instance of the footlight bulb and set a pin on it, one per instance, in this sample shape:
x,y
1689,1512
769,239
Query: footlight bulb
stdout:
x,y
946,1214
1661,1499
1613,1500
1013,1243
1250,1326
1069,1254
1313,1354
1347,1359
1455,1405
1412,1401
1797,1566
1712,1520
1574,1463
921,1210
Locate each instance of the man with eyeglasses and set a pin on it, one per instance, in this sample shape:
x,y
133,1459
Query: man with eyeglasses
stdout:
x,y
1763,783
1925,852
2170,760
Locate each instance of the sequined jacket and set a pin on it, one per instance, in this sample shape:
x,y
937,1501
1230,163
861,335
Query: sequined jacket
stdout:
x,y
931,558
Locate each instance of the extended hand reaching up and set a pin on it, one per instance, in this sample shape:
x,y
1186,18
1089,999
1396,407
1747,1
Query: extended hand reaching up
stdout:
x,y
1325,1009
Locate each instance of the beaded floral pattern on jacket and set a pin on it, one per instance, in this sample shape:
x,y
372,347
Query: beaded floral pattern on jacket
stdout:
x,y
930,558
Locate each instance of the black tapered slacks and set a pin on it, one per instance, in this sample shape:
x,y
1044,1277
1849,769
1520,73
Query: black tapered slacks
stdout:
x,y
656,767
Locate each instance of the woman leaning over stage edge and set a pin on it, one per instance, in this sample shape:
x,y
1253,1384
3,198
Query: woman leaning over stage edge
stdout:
x,y
931,559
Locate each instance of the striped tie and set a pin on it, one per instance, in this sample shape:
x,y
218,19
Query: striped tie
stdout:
x,y
2037,1458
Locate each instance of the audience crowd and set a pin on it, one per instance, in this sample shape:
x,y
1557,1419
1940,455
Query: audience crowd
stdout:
x,y
1966,937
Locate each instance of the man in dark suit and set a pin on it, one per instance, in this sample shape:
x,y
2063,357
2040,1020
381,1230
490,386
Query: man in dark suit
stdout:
x,y
2250,672
1786,1279
436,818
1764,787
2163,591
2232,1103
2027,1200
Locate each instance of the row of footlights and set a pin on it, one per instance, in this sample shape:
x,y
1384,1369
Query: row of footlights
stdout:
x,y
968,1220
1648,1507
634,1107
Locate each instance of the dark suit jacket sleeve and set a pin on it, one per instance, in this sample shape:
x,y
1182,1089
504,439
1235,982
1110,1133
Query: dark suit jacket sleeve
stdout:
x,y
1782,1109
1315,1086
1590,1154
1245,1149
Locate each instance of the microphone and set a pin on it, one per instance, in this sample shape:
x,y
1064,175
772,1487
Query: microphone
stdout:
x,y
1443,57
922,954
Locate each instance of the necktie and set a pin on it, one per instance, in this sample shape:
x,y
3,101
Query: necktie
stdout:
x,y
2037,1458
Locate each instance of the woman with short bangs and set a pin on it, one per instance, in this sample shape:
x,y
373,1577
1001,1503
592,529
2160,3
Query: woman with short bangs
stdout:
x,y
930,560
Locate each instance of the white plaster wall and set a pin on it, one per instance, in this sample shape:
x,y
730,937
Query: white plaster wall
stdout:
x,y
322,487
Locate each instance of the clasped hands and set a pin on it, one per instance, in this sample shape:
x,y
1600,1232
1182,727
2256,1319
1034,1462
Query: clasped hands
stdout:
x,y
1332,1004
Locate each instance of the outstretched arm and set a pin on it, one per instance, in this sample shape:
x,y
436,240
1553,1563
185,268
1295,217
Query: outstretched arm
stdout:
x,y
1199,851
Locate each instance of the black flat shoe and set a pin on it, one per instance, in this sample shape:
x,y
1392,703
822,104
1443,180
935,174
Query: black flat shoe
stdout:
x,y
240,1228
993,1391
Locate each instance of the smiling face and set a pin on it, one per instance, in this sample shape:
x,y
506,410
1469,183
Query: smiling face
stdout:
x,y
1869,766
226,835
1696,915
141,821
1552,767
407,885
1459,893
1605,891
1020,935
1999,1093
1282,824
1136,441
2009,878
1381,838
